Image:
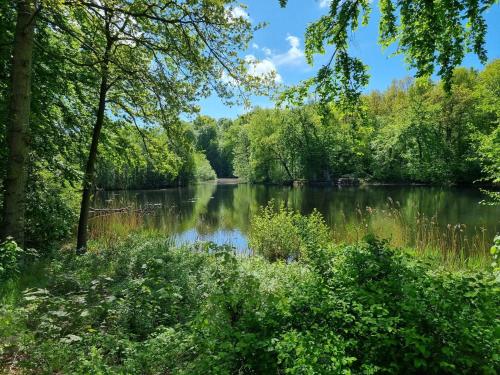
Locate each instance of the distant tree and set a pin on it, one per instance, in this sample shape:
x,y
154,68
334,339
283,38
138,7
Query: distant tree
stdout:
x,y
212,139
206,139
225,145
488,153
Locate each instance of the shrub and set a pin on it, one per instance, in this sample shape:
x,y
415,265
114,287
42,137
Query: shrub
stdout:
x,y
10,255
495,253
51,211
285,234
372,309
274,235
143,307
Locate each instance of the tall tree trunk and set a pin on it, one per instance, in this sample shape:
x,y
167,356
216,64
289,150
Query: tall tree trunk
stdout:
x,y
18,123
285,166
88,179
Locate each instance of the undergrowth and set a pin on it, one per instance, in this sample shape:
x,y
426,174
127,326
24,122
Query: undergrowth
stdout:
x,y
140,306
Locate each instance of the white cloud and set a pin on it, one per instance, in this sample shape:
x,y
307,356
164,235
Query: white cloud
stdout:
x,y
226,78
324,3
255,46
263,68
293,40
293,56
238,12
267,51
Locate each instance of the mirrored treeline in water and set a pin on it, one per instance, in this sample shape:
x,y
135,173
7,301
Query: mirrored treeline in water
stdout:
x,y
417,216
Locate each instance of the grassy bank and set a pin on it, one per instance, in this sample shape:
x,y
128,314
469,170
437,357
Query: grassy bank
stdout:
x,y
140,306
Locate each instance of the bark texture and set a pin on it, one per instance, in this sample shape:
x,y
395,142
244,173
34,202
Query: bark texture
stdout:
x,y
14,205
88,182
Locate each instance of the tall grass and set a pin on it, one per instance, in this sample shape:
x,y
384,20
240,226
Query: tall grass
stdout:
x,y
115,225
110,227
452,244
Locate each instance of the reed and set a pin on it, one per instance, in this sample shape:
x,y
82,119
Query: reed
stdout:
x,y
454,245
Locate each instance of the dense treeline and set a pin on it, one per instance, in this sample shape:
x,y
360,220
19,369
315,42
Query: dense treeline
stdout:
x,y
412,132
148,158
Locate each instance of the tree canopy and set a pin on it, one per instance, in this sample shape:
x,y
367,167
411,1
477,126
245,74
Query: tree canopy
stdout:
x,y
433,36
415,131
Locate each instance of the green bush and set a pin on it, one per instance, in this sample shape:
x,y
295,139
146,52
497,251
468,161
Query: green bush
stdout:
x,y
51,211
285,234
495,253
142,307
374,310
10,255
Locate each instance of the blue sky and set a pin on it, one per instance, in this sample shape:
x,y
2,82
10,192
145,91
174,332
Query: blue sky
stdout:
x,y
280,45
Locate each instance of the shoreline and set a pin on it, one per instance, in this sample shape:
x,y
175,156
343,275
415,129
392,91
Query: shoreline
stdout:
x,y
315,184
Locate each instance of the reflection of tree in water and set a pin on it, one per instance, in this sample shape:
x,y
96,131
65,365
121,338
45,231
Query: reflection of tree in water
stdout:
x,y
192,209
219,209
387,210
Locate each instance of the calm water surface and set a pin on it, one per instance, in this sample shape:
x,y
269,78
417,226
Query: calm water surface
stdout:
x,y
221,212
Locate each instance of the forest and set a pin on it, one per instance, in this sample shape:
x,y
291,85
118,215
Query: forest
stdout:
x,y
412,132
108,157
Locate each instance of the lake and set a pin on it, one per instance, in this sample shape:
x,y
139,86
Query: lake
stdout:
x,y
417,216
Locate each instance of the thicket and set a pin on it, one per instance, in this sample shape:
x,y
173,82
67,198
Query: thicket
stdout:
x,y
142,306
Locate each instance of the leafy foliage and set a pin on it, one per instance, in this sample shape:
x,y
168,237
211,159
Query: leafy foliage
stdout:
x,y
431,36
142,307
282,234
148,158
10,254
495,252
212,138
413,132
204,171
51,211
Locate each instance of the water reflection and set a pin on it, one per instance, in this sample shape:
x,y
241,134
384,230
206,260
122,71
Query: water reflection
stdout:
x,y
221,213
